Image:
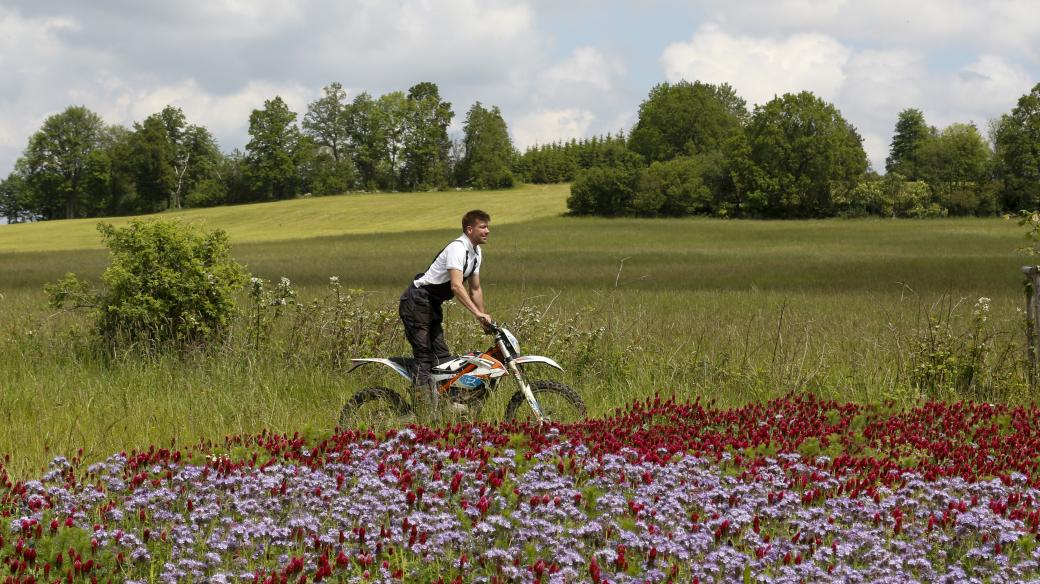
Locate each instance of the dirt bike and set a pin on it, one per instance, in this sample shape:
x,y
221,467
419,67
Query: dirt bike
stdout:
x,y
465,382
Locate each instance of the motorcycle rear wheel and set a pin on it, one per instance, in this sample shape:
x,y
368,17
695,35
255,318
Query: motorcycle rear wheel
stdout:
x,y
557,401
375,407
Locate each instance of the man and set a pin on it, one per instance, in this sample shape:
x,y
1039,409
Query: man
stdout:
x,y
455,272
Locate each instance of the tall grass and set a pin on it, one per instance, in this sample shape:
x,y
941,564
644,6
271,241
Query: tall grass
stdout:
x,y
727,310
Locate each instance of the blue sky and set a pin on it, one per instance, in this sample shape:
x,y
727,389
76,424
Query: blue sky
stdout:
x,y
556,69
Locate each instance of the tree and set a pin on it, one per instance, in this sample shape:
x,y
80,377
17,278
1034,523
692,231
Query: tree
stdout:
x,y
426,142
326,120
488,151
232,173
193,154
1017,140
58,160
391,119
269,153
14,199
956,165
111,180
910,135
320,173
365,132
197,161
176,125
686,118
152,163
801,148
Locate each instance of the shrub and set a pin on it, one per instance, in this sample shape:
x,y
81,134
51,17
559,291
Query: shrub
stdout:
x,y
914,199
207,193
609,187
868,197
603,190
675,188
168,282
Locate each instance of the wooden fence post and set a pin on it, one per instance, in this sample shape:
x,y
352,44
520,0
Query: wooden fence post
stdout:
x,y
1032,289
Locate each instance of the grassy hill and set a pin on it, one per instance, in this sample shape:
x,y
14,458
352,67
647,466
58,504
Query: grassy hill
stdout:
x,y
355,213
731,311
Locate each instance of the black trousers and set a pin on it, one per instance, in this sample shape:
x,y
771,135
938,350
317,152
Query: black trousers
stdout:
x,y
423,320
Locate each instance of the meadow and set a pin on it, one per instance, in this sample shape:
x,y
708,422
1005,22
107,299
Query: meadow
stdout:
x,y
730,311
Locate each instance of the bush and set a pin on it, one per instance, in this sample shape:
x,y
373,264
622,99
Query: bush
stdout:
x,y
914,199
866,198
168,282
604,190
207,193
609,187
675,188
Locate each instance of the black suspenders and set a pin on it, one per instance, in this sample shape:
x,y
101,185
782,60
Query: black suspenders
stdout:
x,y
465,263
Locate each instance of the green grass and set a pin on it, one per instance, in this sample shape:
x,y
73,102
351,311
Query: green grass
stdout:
x,y
727,310
353,213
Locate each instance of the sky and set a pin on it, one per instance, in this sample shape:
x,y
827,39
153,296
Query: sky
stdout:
x,y
557,70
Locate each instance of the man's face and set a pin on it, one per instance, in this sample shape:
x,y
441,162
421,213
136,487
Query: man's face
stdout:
x,y
478,232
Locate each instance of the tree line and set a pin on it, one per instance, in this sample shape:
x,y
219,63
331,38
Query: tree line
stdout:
x,y
697,150
560,161
76,165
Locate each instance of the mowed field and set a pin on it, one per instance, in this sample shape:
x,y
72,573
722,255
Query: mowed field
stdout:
x,y
731,311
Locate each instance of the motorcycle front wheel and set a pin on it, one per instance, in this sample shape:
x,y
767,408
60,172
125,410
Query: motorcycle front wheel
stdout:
x,y
558,402
374,407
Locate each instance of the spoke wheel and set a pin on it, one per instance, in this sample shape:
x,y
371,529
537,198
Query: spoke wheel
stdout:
x,y
375,407
559,403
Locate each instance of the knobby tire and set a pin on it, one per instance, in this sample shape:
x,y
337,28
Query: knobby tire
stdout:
x,y
377,398
574,405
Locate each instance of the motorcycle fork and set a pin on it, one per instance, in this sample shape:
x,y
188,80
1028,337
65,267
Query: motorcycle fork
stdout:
x,y
525,387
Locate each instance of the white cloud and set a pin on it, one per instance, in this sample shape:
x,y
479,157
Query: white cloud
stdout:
x,y
218,60
1002,25
987,84
759,68
869,86
554,72
225,115
29,50
878,85
587,66
545,126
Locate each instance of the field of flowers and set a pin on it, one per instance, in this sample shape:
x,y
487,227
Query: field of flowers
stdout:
x,y
795,489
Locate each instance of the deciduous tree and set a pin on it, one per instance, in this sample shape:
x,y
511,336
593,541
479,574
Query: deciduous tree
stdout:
x,y
326,120
801,147
59,159
686,118
14,199
365,132
956,164
488,151
269,153
1017,140
426,143
391,118
153,163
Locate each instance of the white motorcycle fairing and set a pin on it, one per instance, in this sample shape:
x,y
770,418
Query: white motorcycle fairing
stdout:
x,y
395,366
537,359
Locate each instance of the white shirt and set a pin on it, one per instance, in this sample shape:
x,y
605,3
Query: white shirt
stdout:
x,y
459,255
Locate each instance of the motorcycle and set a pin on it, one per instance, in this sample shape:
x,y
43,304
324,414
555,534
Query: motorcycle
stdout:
x,y
465,383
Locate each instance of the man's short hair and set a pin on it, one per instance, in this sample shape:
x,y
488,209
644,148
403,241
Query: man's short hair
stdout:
x,y
473,217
